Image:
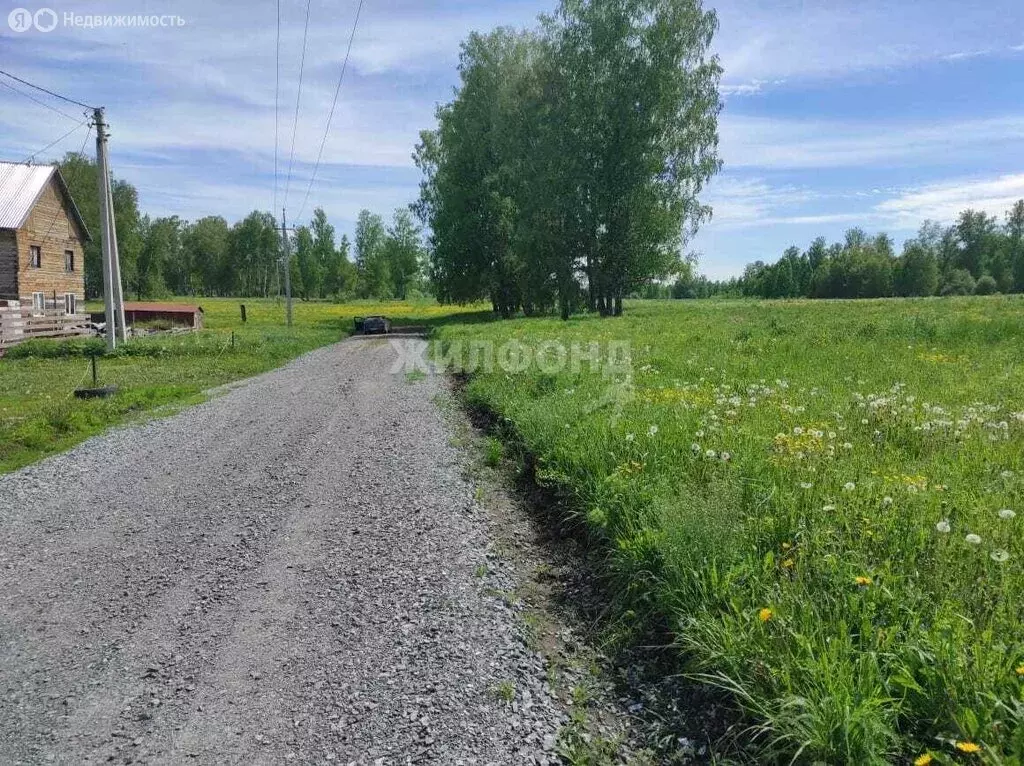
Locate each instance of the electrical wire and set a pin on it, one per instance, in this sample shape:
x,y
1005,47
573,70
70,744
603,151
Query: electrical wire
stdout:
x,y
298,99
277,91
44,90
81,153
330,116
41,103
32,156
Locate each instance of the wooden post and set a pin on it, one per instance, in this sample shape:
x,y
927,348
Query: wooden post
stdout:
x,y
242,306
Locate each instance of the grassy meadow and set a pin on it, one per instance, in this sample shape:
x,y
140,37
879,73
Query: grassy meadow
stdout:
x,y
823,499
39,414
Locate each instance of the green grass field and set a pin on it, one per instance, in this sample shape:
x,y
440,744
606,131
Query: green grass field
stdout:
x,y
39,414
823,500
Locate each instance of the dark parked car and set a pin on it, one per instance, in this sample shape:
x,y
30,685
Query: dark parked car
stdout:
x,y
376,326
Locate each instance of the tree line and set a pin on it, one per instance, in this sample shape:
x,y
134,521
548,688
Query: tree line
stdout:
x,y
566,170
168,255
978,254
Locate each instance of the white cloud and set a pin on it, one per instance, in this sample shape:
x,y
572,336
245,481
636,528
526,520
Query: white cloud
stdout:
x,y
766,142
816,40
945,200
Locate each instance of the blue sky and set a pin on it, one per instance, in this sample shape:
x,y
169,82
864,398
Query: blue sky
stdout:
x,y
877,114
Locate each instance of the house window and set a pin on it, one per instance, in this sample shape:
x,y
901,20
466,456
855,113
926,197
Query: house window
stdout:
x,y
35,256
69,260
38,302
70,303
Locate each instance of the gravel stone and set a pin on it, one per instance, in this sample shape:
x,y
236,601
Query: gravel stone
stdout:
x,y
283,573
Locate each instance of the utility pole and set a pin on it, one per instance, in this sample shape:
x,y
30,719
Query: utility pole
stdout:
x,y
105,215
287,266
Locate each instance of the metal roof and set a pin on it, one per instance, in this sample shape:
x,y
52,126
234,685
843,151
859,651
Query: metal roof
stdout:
x,y
20,187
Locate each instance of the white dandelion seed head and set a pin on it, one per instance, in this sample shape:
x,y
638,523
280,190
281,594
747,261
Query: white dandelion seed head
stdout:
x,y
1006,514
999,555
943,526
695,447
797,430
1007,474
709,453
849,486
828,508
806,485
973,539
630,437
886,500
652,430
726,456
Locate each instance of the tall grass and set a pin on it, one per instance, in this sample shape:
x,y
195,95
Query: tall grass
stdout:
x,y
824,500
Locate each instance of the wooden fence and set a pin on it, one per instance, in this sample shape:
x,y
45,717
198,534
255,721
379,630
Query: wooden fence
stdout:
x,y
18,324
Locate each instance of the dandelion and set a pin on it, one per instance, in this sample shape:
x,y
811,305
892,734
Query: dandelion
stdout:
x,y
968,747
1020,670
726,456
887,500
630,437
999,556
923,760
1006,514
652,430
847,445
862,581
765,614
710,454
973,539
806,485
695,447
797,430
849,486
943,526
828,508
1007,474
787,563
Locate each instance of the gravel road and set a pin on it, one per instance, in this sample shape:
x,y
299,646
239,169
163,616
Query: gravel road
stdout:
x,y
287,572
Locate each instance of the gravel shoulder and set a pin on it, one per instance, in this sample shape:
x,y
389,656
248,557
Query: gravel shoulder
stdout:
x,y
296,570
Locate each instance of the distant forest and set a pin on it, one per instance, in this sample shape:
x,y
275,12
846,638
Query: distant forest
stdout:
x,y
977,255
171,256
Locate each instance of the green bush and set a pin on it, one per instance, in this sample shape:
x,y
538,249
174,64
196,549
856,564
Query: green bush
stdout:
x,y
986,285
45,348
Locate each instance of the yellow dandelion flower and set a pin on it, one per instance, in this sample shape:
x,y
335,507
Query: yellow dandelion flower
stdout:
x,y
862,580
968,747
786,546
1020,670
765,614
923,760
787,564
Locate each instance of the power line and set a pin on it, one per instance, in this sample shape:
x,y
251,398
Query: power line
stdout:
x,y
41,103
81,155
277,90
44,90
57,141
298,99
330,116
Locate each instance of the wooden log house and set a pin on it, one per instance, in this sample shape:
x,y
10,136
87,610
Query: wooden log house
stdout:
x,y
42,263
